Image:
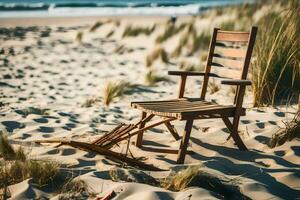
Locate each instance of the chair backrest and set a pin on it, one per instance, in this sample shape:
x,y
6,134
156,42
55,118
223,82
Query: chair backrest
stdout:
x,y
229,55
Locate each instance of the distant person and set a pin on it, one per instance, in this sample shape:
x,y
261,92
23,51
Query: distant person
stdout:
x,y
173,19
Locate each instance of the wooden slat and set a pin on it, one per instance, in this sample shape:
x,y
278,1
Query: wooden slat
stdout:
x,y
224,62
232,36
226,73
230,52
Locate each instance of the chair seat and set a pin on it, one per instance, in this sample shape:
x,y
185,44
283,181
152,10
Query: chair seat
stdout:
x,y
186,108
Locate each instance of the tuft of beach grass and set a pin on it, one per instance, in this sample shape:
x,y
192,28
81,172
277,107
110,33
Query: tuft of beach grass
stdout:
x,y
151,78
275,70
114,90
79,37
290,132
158,52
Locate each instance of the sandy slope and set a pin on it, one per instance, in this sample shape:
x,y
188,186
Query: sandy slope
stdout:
x,y
46,69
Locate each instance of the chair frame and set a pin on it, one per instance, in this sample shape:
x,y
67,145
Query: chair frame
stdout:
x,y
238,100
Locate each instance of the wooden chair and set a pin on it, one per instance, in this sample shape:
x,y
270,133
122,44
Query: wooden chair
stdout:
x,y
229,58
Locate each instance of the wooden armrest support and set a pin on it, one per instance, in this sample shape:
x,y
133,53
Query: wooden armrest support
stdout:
x,y
236,82
185,73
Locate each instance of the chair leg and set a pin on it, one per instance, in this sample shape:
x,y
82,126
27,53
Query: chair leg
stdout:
x,y
184,142
139,138
172,130
234,132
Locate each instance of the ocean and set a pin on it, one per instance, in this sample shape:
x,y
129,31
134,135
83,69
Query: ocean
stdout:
x,y
58,8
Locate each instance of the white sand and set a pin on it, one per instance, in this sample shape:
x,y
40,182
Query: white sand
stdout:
x,y
58,74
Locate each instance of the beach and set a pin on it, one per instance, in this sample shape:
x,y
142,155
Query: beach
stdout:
x,y
54,72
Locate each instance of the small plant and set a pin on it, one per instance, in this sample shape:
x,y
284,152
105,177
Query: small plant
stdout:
x,y
79,37
114,90
75,189
6,150
290,132
16,167
185,66
135,31
213,86
89,102
95,26
151,78
109,34
157,53
170,30
194,176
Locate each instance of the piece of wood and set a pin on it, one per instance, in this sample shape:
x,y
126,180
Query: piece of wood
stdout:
x,y
139,137
163,150
236,82
182,86
208,63
228,63
185,73
172,130
230,52
230,36
125,136
106,152
184,142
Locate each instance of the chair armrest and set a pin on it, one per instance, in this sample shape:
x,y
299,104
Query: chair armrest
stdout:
x,y
236,82
185,73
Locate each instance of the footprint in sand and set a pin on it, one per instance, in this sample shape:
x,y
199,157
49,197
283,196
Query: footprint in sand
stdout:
x,y
12,125
41,120
68,152
46,129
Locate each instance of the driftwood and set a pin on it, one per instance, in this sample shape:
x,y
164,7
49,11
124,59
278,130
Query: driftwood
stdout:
x,y
106,152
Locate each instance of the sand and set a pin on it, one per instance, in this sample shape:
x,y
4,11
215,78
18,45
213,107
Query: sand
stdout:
x,y
43,67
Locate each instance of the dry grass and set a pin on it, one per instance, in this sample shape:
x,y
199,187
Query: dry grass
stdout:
x,y
96,26
170,30
159,52
290,132
276,69
131,31
79,37
151,78
90,101
109,34
195,177
186,66
76,189
16,167
114,90
213,86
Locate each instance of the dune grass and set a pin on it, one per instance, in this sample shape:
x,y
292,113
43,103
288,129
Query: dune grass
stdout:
x,y
170,30
79,37
131,31
213,86
276,69
151,78
110,33
290,132
96,26
16,167
90,101
76,189
159,52
194,176
114,90
200,41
